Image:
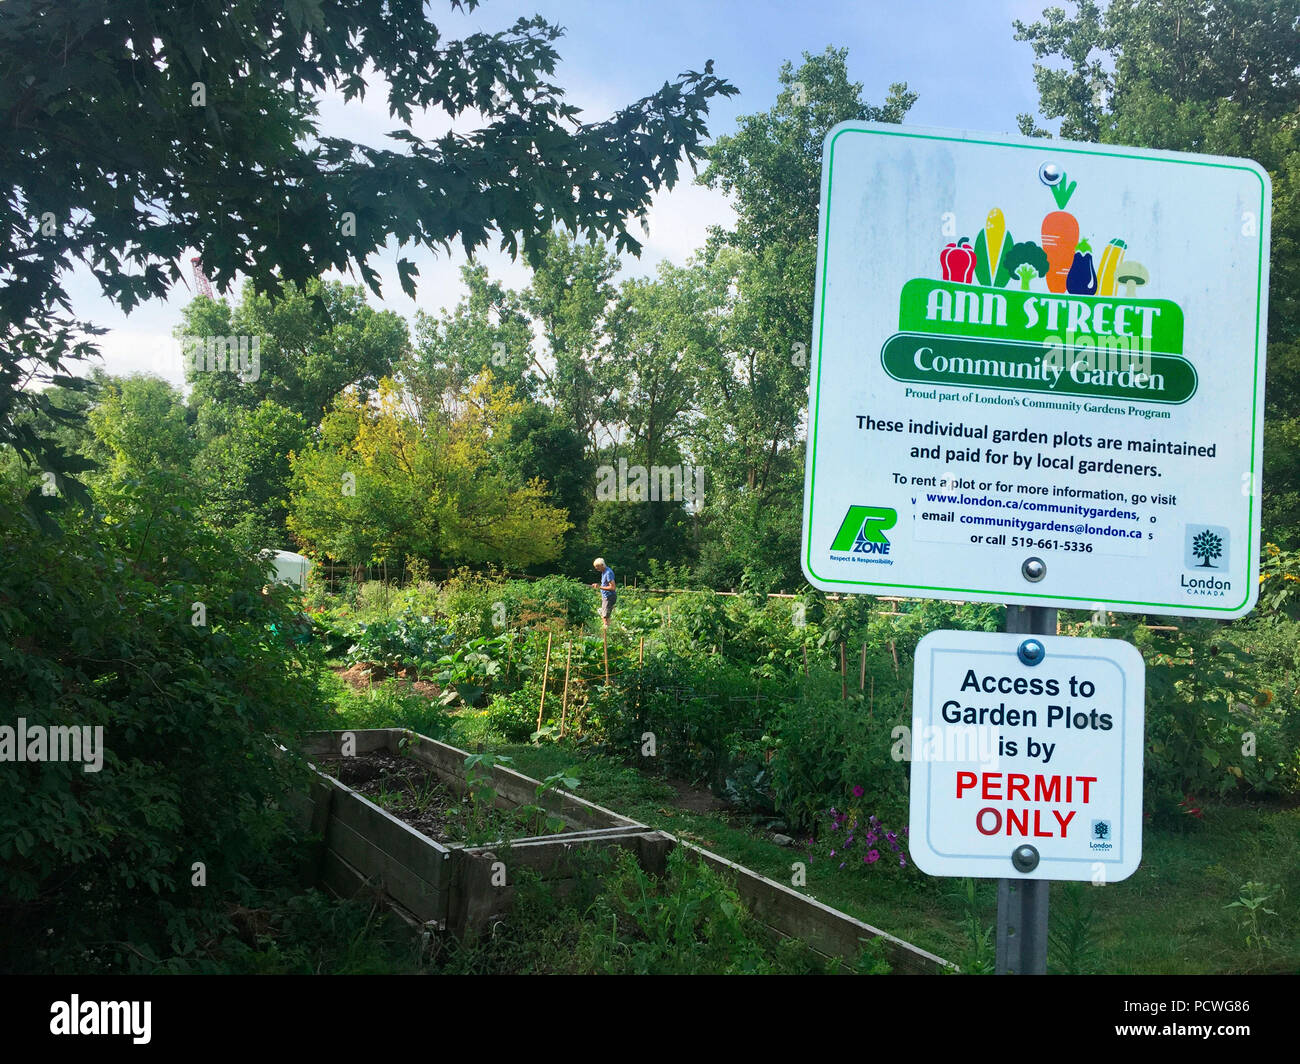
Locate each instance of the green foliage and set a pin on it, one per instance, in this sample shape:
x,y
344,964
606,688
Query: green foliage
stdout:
x,y
513,715
140,424
244,471
404,641
96,867
827,746
132,196
621,920
539,603
1072,932
313,341
390,704
980,954
1252,907
698,711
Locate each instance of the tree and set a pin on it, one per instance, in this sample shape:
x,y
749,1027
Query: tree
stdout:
x,y
1203,76
141,424
135,131
299,350
378,484
244,474
489,329
755,385
570,297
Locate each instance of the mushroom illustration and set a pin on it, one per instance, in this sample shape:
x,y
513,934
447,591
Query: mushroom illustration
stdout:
x,y
1131,274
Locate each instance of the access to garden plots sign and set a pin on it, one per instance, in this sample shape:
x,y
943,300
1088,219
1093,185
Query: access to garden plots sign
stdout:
x,y
1037,349
1026,756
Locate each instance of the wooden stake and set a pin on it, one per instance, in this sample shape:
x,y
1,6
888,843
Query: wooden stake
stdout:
x,y
640,654
894,650
546,669
564,700
862,675
844,677
604,638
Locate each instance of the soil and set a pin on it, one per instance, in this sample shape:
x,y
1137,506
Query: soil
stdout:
x,y
696,799
362,675
407,790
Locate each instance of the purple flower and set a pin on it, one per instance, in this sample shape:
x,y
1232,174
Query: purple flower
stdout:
x,y
872,857
902,862
832,853
871,838
857,791
891,836
905,831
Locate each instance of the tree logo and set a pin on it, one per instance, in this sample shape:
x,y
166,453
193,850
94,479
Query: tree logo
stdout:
x,y
1206,547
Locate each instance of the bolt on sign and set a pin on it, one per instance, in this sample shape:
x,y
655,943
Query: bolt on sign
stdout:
x,y
1026,757
1037,348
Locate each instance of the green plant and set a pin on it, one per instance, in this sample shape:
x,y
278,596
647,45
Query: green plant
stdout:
x,y
980,956
1071,937
96,630
1252,906
484,824
535,815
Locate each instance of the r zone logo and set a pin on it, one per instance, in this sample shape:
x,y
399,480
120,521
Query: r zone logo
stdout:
x,y
863,530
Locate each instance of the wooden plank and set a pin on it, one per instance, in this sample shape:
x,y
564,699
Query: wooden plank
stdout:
x,y
590,835
416,851
425,899
330,743
513,788
477,899
827,931
341,879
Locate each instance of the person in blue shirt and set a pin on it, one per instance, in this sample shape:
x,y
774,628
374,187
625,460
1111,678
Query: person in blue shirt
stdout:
x,y
608,591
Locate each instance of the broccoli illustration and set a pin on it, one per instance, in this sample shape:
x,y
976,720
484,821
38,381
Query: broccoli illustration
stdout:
x,y
1026,261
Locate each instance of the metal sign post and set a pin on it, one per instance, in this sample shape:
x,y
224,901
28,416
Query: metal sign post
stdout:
x,y
1022,903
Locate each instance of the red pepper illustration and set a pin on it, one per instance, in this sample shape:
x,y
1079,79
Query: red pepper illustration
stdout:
x,y
958,262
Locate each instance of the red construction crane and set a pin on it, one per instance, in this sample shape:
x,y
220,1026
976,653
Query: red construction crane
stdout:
x,y
201,279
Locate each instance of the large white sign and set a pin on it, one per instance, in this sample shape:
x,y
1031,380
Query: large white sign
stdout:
x,y
1041,751
1037,349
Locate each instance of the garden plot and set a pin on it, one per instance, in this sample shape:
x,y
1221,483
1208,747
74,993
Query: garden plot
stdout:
x,y
412,834
405,814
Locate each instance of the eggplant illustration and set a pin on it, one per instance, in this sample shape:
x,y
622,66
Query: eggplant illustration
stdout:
x,y
1082,278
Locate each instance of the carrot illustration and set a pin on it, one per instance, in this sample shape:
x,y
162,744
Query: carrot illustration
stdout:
x,y
1060,237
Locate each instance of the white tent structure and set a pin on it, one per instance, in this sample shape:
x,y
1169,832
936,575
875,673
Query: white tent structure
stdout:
x,y
290,568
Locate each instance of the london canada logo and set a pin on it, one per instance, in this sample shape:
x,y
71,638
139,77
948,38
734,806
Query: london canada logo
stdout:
x,y
1206,559
862,538
1100,839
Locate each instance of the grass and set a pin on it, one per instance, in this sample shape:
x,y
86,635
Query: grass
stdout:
x,y
1171,916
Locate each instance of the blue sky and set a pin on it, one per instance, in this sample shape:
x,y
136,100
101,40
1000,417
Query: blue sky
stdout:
x,y
960,57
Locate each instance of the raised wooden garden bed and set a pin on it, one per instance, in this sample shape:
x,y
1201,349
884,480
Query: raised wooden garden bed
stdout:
x,y
458,888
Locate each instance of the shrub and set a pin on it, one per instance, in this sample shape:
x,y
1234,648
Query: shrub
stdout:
x,y
826,746
391,704
551,602
95,631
